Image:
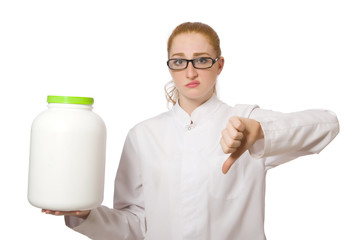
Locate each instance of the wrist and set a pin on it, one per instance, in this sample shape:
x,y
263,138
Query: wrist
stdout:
x,y
83,214
260,134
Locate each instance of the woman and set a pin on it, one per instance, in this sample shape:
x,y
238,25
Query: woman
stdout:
x,y
175,179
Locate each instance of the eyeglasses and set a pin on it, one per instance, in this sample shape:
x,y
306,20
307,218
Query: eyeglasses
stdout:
x,y
198,63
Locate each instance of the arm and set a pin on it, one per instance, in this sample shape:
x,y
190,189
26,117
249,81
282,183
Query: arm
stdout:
x,y
127,219
291,135
284,136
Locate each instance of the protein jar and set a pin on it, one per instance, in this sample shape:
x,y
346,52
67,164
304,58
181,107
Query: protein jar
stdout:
x,y
67,156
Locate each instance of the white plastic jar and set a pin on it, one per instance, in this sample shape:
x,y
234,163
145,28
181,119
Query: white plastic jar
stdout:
x,y
67,156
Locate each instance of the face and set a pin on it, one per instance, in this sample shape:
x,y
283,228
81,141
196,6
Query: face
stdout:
x,y
196,85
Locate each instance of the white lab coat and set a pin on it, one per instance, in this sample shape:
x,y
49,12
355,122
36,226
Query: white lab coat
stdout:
x,y
169,185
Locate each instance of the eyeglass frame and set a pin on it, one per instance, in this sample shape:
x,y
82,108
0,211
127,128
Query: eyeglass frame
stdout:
x,y
192,62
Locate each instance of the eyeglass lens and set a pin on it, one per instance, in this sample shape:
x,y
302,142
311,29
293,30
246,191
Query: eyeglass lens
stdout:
x,y
199,63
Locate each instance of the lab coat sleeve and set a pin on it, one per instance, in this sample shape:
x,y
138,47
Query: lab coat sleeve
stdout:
x,y
127,218
291,135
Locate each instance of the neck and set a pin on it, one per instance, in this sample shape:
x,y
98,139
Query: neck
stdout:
x,y
189,105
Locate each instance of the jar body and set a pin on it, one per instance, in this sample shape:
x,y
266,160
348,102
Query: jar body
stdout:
x,y
67,158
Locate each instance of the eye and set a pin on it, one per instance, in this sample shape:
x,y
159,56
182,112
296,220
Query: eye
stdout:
x,y
178,62
202,60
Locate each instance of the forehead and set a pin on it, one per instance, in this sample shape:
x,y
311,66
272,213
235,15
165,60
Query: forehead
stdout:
x,y
190,43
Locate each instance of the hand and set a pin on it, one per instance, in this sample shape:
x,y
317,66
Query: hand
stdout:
x,y
80,214
239,135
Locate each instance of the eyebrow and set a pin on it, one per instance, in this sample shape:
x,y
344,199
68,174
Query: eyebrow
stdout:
x,y
195,54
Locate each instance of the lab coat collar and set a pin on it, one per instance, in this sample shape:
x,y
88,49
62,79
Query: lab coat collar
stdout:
x,y
200,114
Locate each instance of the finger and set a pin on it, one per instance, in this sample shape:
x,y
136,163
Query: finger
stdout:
x,y
237,123
231,143
47,211
232,140
225,147
234,133
60,213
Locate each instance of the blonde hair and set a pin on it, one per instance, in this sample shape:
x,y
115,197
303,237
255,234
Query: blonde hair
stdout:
x,y
171,92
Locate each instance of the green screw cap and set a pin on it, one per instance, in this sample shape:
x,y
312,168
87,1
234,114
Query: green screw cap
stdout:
x,y
70,100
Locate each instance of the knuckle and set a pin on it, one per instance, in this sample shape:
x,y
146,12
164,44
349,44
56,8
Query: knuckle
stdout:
x,y
233,118
224,150
228,150
223,146
237,123
236,135
240,126
241,135
237,144
234,144
233,133
229,142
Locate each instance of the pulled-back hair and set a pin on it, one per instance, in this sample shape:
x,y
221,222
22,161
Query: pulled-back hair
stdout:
x,y
190,27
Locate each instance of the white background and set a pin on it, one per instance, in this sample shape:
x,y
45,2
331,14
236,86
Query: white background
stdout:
x,y
283,55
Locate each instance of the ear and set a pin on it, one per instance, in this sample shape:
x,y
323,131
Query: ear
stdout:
x,y
220,62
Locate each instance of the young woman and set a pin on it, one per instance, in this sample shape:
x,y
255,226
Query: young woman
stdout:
x,y
198,170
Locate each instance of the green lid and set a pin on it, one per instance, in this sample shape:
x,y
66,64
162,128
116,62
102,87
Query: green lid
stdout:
x,y
70,100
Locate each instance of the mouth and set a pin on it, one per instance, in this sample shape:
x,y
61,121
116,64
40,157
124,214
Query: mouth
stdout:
x,y
193,84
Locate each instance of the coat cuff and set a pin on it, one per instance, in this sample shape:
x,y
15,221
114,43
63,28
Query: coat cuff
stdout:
x,y
259,149
74,222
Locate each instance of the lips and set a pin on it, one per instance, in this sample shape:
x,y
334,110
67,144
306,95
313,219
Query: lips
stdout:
x,y
193,84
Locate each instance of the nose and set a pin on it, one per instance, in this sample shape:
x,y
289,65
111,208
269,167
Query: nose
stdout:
x,y
191,72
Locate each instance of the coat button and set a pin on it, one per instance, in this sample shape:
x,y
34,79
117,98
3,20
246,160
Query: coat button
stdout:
x,y
189,127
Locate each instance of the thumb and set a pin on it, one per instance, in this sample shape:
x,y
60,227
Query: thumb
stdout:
x,y
232,159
